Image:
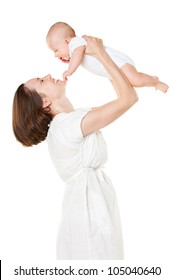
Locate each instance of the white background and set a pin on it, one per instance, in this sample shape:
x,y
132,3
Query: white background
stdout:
x,y
139,143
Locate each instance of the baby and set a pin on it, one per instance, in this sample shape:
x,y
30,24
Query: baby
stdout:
x,y
62,40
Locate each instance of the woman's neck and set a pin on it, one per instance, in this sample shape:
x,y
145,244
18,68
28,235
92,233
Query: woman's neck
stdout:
x,y
61,105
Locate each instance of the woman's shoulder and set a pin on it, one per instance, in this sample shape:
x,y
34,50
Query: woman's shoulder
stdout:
x,y
69,124
64,117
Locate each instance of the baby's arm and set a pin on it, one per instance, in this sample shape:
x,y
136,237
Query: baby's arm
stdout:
x,y
75,61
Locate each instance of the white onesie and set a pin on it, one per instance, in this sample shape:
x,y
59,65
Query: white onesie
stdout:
x,y
92,64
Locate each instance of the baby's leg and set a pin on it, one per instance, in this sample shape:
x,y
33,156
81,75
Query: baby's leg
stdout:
x,y
138,79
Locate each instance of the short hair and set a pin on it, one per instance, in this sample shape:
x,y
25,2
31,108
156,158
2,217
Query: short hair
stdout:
x,y
68,30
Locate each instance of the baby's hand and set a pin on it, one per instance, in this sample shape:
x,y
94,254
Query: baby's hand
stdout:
x,y
65,75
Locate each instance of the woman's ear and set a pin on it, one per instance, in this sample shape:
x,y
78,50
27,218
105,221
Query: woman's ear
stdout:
x,y
45,100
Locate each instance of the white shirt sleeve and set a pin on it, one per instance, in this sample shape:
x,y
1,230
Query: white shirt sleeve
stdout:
x,y
75,43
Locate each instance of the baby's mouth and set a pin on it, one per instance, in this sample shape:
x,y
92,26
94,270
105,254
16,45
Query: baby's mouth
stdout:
x,y
64,59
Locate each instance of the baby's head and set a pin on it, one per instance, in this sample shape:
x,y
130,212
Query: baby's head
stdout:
x,y
58,38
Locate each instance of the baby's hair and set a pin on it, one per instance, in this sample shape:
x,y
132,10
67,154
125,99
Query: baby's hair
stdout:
x,y
64,27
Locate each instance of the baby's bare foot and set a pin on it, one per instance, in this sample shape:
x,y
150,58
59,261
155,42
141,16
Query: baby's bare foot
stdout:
x,y
155,77
162,87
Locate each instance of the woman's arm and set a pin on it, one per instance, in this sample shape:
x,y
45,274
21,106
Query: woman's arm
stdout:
x,y
127,97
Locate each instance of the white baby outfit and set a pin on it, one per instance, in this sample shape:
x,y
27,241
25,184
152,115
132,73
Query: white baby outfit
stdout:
x,y
92,64
90,226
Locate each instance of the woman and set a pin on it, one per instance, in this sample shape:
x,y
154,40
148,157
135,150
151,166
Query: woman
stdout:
x,y
90,227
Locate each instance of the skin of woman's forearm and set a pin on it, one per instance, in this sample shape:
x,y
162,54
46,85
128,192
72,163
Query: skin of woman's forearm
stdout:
x,y
120,83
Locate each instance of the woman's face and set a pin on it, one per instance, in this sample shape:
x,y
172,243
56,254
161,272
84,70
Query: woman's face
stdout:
x,y
47,86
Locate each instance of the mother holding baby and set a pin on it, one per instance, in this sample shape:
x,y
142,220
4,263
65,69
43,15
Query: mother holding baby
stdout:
x,y
90,226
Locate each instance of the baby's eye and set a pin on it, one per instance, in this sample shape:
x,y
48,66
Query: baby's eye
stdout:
x,y
41,81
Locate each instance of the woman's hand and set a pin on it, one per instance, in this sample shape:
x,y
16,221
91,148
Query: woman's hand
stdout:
x,y
94,46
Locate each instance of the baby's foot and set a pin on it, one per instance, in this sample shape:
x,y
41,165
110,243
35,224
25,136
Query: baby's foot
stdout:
x,y
162,87
155,77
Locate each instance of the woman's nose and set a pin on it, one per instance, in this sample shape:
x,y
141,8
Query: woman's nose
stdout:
x,y
47,77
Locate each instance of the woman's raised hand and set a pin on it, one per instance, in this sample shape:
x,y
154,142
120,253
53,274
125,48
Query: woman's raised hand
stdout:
x,y
94,46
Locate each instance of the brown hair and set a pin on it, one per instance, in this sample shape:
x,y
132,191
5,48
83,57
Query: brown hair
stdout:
x,y
30,120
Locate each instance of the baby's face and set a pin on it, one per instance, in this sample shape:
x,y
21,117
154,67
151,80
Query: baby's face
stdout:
x,y
60,49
